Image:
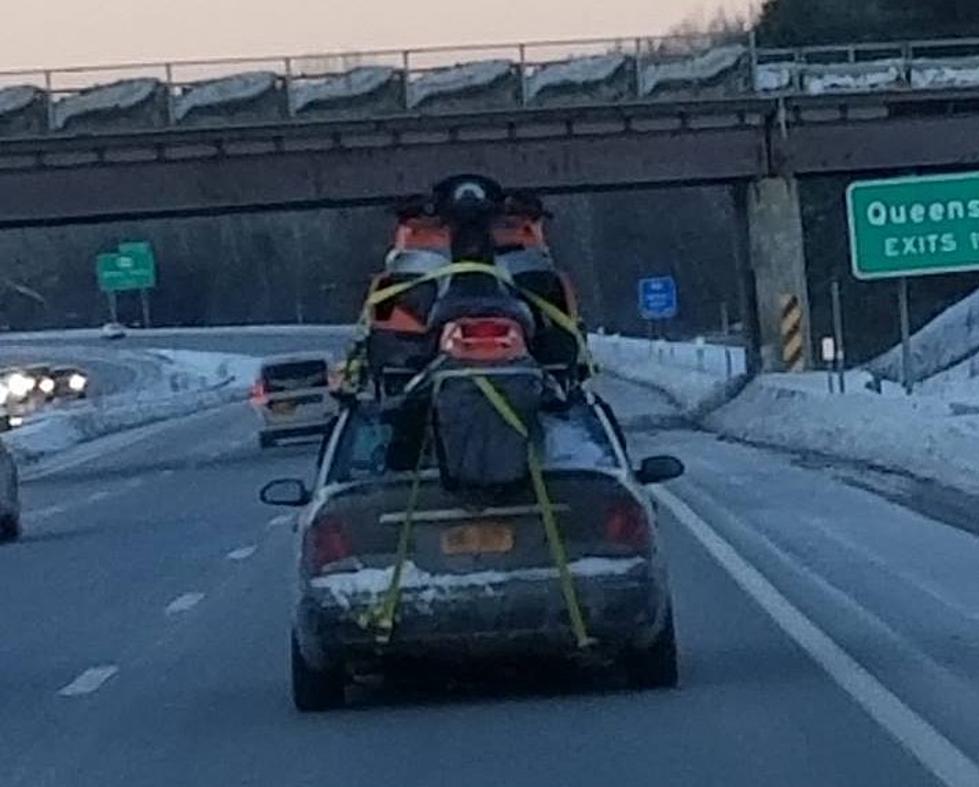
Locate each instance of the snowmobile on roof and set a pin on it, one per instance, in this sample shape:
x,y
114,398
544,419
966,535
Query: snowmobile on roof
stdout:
x,y
469,220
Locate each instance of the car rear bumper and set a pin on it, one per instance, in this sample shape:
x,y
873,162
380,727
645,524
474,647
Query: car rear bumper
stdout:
x,y
520,617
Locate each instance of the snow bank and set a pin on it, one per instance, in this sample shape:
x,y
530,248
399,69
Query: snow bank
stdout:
x,y
927,436
885,74
704,67
853,77
949,339
17,98
69,334
117,97
951,72
186,383
356,83
695,377
458,79
223,92
367,585
581,71
822,78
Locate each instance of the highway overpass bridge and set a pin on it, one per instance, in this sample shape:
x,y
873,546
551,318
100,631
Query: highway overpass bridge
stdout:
x,y
754,120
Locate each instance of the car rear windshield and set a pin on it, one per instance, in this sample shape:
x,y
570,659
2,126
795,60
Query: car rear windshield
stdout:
x,y
294,375
575,439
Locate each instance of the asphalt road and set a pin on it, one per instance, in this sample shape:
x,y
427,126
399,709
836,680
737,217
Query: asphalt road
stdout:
x,y
145,624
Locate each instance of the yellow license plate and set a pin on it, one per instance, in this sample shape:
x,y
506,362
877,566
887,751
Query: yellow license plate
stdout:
x,y
477,539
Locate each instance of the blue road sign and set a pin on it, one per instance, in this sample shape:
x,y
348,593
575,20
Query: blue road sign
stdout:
x,y
657,298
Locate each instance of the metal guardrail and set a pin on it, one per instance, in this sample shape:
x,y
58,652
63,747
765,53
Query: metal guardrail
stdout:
x,y
528,62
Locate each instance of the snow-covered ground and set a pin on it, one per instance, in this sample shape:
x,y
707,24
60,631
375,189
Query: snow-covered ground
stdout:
x,y
218,330
951,339
695,376
932,434
184,382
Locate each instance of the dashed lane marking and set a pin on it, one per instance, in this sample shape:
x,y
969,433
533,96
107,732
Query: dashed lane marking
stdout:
x,y
280,521
242,553
97,496
183,603
933,750
89,681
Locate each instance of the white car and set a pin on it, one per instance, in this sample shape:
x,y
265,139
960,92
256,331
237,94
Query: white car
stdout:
x,y
292,397
9,497
113,330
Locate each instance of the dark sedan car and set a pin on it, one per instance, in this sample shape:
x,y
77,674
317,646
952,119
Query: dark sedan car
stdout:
x,y
480,578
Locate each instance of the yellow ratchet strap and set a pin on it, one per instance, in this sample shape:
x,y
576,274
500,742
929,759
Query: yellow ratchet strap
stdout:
x,y
382,618
502,406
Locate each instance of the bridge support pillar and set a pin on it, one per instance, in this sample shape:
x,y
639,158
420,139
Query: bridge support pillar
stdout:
x,y
778,262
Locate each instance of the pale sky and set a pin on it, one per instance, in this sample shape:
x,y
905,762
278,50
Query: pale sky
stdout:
x,y
52,33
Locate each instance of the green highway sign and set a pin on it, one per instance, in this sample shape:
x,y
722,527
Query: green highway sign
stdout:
x,y
914,226
118,271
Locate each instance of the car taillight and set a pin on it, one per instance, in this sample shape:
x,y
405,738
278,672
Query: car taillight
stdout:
x,y
626,524
258,393
484,339
326,542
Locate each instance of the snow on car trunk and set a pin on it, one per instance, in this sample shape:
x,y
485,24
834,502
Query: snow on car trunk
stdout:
x,y
368,585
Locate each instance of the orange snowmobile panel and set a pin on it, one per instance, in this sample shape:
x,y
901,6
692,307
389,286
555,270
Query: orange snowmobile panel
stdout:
x,y
422,233
519,231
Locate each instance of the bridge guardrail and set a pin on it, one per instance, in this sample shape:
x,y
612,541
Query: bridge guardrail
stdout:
x,y
447,79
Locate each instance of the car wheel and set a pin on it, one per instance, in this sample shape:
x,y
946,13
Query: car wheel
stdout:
x,y
9,528
265,441
315,690
655,667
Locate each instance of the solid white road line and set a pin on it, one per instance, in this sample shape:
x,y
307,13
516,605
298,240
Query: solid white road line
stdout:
x,y
183,603
90,680
242,553
934,751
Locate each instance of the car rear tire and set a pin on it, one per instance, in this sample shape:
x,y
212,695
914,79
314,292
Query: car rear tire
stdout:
x,y
9,528
316,690
655,667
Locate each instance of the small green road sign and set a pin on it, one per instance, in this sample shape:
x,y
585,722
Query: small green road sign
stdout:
x,y
118,272
914,226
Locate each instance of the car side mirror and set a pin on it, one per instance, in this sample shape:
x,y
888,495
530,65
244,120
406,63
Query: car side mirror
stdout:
x,y
656,469
285,492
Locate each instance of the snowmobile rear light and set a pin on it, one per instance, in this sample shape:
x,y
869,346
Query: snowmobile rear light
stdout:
x,y
484,339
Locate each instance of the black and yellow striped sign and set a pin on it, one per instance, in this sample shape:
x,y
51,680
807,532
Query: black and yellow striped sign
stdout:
x,y
793,354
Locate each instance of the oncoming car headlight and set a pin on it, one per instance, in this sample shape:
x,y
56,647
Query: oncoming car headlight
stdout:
x,y
77,382
4,393
46,385
20,385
